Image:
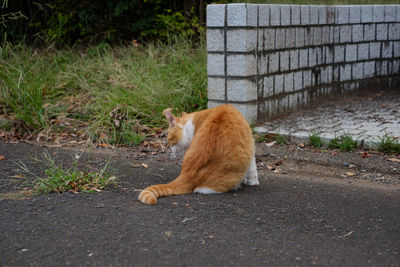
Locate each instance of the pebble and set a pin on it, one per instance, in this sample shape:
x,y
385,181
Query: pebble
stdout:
x,y
284,172
346,164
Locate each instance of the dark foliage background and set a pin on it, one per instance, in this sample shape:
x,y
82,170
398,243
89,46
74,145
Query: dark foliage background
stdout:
x,y
92,21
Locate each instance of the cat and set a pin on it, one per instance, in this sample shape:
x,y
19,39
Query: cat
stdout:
x,y
218,148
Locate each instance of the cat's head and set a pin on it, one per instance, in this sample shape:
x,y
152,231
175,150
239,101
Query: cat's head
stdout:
x,y
180,132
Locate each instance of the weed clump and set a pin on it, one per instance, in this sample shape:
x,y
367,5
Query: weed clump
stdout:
x,y
315,140
389,144
281,139
344,142
73,180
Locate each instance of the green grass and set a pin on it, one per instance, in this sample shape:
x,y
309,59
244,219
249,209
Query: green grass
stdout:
x,y
315,140
281,139
27,79
320,2
389,144
260,139
113,95
73,179
60,180
344,142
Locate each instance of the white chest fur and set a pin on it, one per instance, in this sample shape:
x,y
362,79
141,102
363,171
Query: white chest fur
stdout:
x,y
187,135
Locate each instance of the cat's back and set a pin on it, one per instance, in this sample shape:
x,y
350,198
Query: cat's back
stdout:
x,y
226,120
228,115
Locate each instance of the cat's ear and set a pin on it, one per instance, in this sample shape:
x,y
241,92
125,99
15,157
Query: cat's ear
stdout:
x,y
170,117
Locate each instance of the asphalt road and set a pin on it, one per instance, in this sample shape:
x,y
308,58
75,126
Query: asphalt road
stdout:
x,y
288,220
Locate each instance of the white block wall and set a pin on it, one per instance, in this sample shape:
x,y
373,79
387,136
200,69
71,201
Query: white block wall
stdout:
x,y
270,59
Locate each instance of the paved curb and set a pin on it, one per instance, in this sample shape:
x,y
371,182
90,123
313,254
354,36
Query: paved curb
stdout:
x,y
367,118
303,137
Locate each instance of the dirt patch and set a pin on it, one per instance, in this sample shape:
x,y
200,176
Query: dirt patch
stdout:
x,y
352,166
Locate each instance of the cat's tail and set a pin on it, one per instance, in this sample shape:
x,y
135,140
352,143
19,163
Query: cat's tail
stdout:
x,y
150,194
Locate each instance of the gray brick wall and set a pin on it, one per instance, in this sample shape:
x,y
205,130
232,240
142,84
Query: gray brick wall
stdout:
x,y
271,59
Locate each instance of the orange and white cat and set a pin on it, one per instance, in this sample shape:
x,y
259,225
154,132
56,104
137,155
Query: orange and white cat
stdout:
x,y
218,149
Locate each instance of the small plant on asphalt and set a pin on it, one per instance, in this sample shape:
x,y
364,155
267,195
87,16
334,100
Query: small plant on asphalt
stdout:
x,y
344,142
72,180
389,144
281,139
315,140
259,139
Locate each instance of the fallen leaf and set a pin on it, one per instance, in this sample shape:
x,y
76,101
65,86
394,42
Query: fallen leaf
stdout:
x,y
365,155
135,165
350,173
46,105
342,236
270,168
270,144
168,233
103,136
301,145
2,158
187,219
278,163
145,165
394,159
155,144
334,153
18,176
277,171
104,145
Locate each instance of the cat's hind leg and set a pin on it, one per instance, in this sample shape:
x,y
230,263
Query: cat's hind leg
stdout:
x,y
251,178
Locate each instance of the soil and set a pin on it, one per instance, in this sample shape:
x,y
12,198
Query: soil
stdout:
x,y
313,207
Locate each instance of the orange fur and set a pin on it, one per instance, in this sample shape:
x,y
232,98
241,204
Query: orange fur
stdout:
x,y
217,158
